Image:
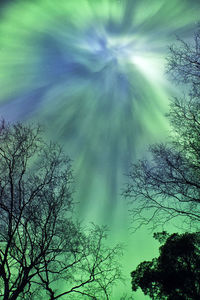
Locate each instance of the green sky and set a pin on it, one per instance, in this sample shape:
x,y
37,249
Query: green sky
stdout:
x,y
93,73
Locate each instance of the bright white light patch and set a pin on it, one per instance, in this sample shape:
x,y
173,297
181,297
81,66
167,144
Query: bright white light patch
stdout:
x,y
151,67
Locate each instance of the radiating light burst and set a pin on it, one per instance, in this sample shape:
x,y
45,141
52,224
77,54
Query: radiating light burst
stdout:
x,y
93,72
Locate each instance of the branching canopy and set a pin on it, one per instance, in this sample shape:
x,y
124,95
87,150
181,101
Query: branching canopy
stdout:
x,y
167,184
43,251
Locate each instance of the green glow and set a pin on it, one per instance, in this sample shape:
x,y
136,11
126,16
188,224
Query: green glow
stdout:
x,y
92,71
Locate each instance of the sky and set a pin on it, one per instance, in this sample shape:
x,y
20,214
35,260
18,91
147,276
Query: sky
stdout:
x,y
92,72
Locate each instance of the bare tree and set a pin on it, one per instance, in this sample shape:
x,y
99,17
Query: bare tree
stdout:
x,y
167,184
43,251
183,63
165,187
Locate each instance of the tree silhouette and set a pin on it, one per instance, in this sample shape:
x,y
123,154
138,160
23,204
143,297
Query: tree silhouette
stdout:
x,y
43,251
167,184
175,274
184,62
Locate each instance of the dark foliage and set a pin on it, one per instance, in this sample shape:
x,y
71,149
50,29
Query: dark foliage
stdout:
x,y
175,274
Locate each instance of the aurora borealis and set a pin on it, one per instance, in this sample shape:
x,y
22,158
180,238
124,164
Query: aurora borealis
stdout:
x,y
92,72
